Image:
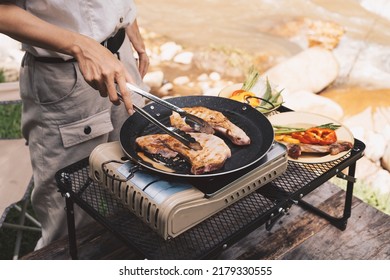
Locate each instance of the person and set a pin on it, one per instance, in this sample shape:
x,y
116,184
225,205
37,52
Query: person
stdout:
x,y
77,54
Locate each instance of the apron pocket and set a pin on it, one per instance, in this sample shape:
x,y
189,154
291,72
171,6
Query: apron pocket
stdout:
x,y
86,129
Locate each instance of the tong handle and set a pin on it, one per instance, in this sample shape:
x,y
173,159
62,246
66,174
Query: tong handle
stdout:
x,y
184,138
155,99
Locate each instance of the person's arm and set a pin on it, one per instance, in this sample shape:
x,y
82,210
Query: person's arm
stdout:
x,y
100,68
136,40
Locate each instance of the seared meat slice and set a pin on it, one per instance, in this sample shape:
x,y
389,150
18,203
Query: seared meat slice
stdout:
x,y
155,145
295,150
212,157
339,147
217,120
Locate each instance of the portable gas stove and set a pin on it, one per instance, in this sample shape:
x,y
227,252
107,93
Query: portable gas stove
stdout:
x,y
171,205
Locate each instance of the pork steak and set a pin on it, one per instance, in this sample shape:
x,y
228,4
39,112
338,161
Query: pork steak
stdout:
x,y
211,157
296,150
217,120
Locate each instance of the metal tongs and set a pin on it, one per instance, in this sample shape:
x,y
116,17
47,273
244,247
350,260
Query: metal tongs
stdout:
x,y
195,122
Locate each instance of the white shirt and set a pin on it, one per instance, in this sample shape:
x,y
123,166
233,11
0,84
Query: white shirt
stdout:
x,y
98,19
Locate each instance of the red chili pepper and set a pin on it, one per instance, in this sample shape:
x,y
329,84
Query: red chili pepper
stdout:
x,y
301,137
316,135
325,136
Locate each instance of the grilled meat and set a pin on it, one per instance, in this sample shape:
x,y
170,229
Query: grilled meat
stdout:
x,y
296,150
293,150
339,147
217,120
212,157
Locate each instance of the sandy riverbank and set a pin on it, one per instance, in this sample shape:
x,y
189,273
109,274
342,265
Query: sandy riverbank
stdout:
x,y
355,100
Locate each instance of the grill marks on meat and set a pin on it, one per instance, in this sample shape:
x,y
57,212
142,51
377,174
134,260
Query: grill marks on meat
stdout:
x,y
217,120
296,150
212,157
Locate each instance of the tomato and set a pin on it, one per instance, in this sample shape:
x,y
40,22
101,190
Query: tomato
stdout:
x,y
246,97
316,135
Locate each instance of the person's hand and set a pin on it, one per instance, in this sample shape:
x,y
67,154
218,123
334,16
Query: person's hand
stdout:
x,y
103,71
143,63
136,40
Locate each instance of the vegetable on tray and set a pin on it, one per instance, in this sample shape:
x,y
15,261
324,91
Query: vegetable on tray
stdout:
x,y
320,135
258,93
288,129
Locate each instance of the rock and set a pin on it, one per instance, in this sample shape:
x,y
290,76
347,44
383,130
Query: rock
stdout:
x,y
181,80
10,49
362,120
154,79
358,132
184,58
311,70
379,7
362,128
203,77
322,33
385,161
371,69
306,101
381,181
164,90
212,91
366,169
228,64
214,76
375,146
374,130
381,119
11,57
169,50
372,175
204,86
310,32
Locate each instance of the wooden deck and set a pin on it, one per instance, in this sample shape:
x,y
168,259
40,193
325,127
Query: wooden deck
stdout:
x,y
298,235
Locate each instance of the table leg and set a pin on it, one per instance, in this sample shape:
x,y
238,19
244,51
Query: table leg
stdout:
x,y
339,222
71,227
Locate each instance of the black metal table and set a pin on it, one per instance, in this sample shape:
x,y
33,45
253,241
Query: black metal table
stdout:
x,y
209,238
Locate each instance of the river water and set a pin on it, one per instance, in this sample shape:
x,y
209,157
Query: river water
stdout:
x,y
245,24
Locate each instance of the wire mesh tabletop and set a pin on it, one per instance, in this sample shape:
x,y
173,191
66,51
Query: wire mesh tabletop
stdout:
x,y
209,237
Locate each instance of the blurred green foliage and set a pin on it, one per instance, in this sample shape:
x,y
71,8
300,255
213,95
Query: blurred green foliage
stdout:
x,y
369,195
10,120
2,77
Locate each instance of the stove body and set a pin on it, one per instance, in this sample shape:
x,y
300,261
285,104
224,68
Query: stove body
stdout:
x,y
171,205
